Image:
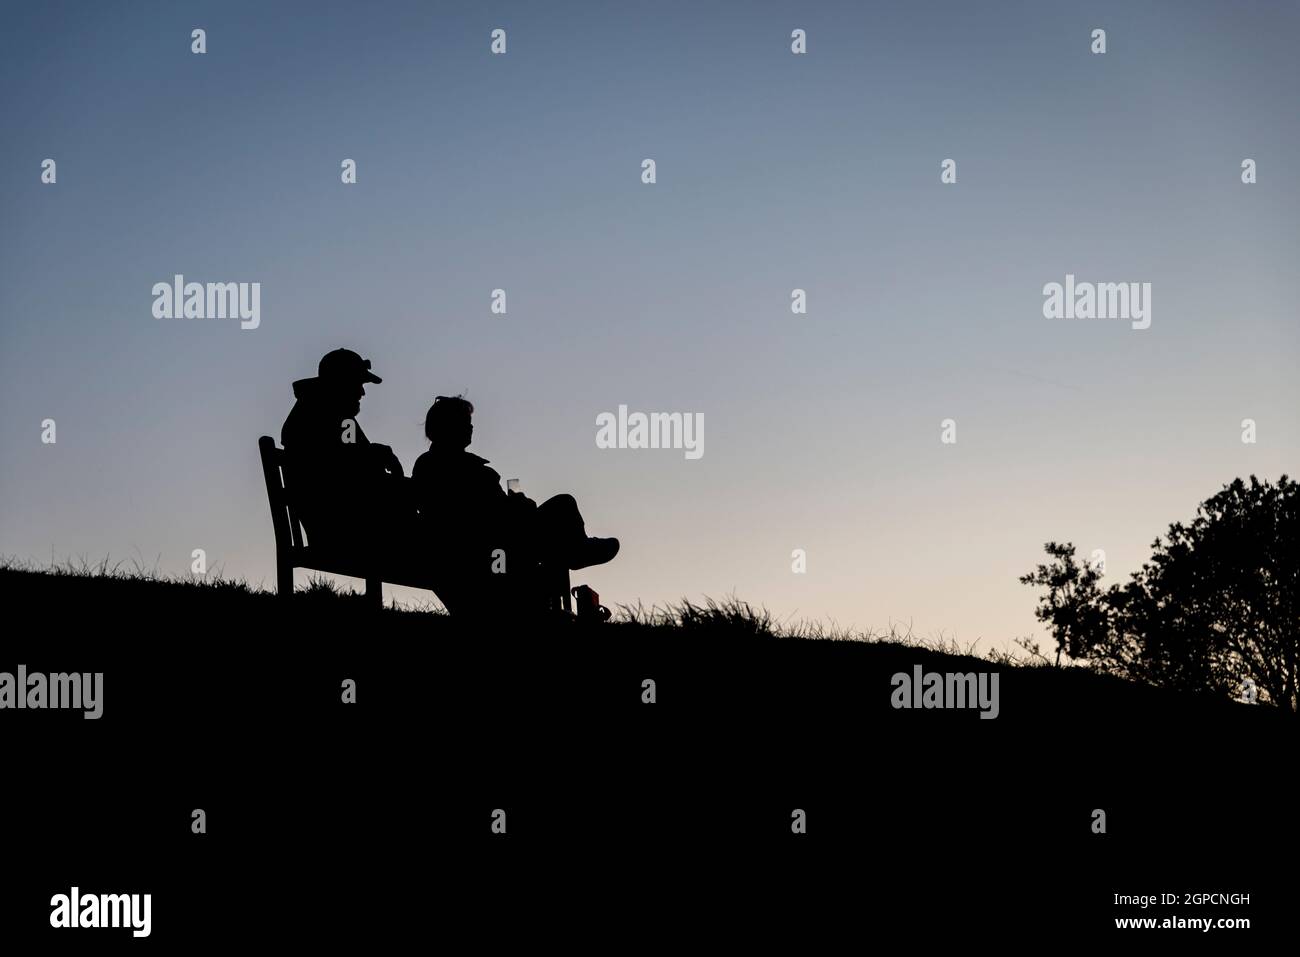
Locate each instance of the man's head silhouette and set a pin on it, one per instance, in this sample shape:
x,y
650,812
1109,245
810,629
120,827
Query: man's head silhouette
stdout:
x,y
343,374
448,423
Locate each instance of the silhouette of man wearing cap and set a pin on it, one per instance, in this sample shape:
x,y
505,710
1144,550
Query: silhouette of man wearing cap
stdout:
x,y
351,494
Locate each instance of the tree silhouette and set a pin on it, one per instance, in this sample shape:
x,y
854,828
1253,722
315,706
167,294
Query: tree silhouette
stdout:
x,y
1215,605
1072,606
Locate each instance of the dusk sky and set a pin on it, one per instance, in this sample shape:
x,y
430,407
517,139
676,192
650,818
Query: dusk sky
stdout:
x,y
775,171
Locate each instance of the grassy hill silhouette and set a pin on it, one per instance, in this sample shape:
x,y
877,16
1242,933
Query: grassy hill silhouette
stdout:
x,y
710,657
234,693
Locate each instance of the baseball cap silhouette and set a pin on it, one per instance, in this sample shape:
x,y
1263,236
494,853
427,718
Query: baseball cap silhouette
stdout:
x,y
346,366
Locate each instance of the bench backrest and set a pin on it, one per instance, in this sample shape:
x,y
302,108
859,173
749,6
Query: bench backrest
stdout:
x,y
284,519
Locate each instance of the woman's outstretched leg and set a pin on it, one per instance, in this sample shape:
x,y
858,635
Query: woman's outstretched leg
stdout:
x,y
560,534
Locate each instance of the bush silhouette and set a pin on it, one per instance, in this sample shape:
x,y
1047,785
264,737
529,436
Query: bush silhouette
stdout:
x,y
1214,609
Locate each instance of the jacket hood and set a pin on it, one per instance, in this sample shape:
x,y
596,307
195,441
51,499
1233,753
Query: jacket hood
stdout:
x,y
307,388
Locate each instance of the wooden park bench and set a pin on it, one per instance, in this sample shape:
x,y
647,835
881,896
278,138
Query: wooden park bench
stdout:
x,y
292,550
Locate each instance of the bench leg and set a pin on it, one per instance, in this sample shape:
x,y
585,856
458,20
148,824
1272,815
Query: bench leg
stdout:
x,y
375,593
284,580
